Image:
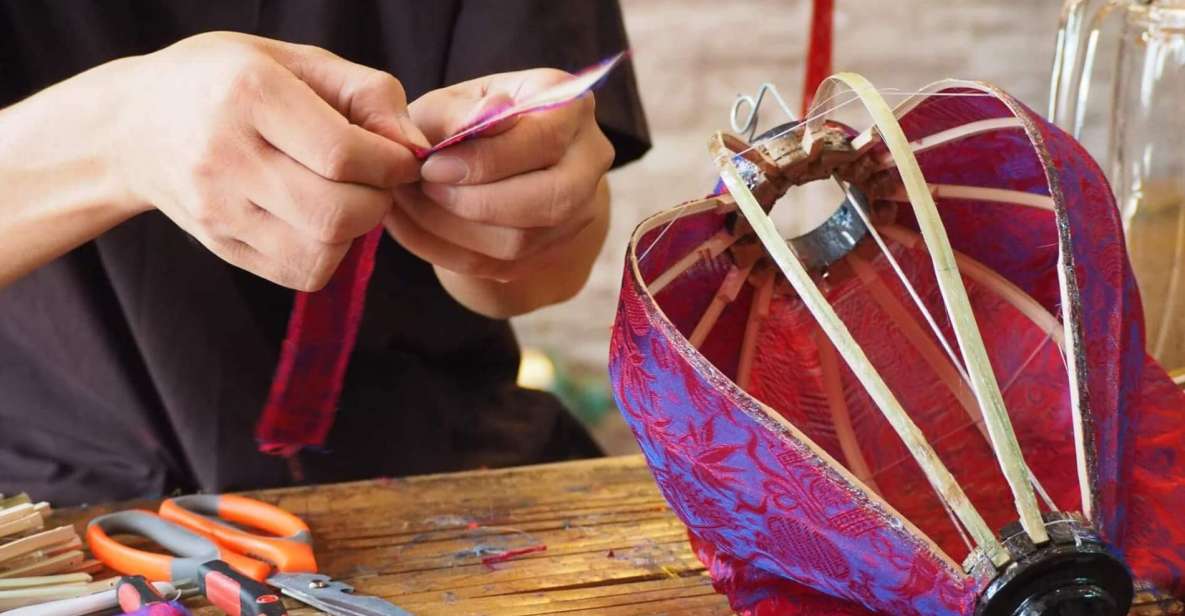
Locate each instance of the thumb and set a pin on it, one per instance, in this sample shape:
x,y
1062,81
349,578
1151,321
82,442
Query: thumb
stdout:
x,y
370,98
443,113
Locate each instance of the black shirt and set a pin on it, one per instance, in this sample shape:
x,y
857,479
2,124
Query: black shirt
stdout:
x,y
138,364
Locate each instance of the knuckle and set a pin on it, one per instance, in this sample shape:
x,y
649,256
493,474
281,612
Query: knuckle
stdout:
x,y
386,85
560,203
329,222
207,213
605,152
551,140
248,80
316,264
339,160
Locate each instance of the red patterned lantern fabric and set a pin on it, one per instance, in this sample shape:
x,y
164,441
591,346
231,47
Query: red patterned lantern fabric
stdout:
x,y
798,495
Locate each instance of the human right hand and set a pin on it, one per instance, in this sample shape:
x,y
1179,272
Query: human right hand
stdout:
x,y
274,156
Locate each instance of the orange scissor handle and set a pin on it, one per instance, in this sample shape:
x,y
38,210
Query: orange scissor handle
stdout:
x,y
290,550
188,550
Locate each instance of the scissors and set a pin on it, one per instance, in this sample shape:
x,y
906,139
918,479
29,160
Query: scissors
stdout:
x,y
208,544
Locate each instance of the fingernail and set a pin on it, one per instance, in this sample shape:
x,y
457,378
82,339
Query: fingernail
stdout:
x,y
444,170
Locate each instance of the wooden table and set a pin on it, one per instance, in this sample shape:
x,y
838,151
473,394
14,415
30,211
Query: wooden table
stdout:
x,y
613,546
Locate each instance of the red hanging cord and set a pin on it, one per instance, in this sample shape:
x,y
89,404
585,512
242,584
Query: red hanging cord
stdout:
x,y
818,59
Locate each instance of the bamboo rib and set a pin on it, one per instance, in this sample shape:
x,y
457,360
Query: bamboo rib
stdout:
x,y
729,287
758,311
949,374
950,135
978,193
841,419
1084,454
950,283
709,249
937,473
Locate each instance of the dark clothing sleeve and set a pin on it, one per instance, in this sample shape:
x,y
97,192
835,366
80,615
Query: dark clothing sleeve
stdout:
x,y
492,36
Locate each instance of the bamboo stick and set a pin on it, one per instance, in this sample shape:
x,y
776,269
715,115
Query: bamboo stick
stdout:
x,y
937,473
39,541
758,311
841,419
951,135
45,580
30,521
707,250
729,287
977,193
67,561
10,599
978,366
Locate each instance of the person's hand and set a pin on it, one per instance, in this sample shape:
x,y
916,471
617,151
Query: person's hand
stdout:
x,y
274,156
510,203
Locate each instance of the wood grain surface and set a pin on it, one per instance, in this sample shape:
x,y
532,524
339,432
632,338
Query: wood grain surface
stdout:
x,y
613,545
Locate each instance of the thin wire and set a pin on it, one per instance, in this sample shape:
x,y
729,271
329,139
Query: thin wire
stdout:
x,y
886,91
750,124
799,126
664,230
672,221
909,288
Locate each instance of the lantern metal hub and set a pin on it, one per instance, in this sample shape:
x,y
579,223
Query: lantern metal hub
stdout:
x,y
1073,574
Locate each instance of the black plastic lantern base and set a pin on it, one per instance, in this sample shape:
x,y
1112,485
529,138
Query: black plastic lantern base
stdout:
x,y
1074,574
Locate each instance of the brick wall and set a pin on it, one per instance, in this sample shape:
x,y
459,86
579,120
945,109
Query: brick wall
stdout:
x,y
694,56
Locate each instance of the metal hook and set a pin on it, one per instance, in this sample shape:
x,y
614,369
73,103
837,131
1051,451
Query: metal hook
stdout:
x,y
749,126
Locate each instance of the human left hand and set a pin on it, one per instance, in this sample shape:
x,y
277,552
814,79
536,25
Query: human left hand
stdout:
x,y
514,201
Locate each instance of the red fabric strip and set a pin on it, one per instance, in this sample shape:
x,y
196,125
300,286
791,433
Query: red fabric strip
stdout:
x,y
324,325
316,350
818,59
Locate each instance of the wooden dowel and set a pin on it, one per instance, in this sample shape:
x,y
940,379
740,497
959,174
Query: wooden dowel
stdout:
x,y
937,473
958,307
841,419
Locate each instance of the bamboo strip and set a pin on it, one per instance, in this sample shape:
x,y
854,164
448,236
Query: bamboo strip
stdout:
x,y
19,511
67,561
39,541
10,599
977,193
950,283
829,321
28,522
729,287
45,580
13,501
951,135
841,419
758,311
709,249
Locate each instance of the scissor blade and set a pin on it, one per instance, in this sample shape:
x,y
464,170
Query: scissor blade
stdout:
x,y
331,596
